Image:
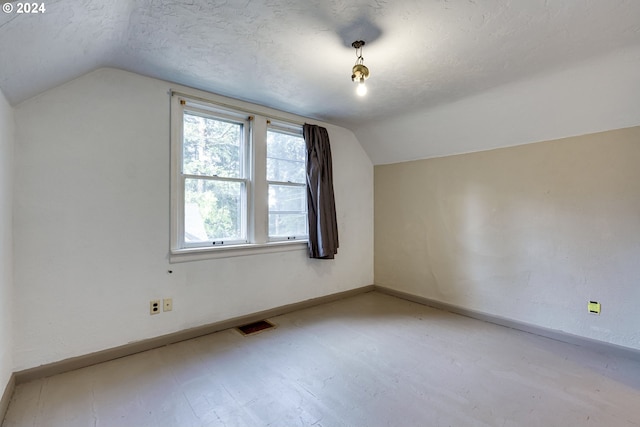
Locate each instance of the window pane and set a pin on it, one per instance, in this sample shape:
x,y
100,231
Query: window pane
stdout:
x,y
285,225
213,210
285,198
286,156
287,210
212,147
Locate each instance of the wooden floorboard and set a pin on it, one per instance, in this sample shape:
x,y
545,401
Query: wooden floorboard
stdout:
x,y
368,360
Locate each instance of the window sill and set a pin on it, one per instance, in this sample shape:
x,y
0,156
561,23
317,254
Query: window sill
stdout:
x,y
197,254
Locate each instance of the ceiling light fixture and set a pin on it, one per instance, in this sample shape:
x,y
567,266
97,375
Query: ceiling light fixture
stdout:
x,y
359,72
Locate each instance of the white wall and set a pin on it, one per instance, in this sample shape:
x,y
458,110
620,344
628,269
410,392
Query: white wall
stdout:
x,y
594,96
6,240
529,233
92,226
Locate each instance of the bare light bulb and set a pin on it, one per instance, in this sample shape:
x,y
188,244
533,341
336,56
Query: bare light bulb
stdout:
x,y
362,89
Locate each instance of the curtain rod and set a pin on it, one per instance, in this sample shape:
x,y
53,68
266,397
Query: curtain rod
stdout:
x,y
244,110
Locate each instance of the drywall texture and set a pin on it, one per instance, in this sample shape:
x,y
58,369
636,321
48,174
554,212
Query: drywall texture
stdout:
x,y
92,226
570,101
6,241
529,233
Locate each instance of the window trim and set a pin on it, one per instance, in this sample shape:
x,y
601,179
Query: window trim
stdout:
x,y
257,214
201,253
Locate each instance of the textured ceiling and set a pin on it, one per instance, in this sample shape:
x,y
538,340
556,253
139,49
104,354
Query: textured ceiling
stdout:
x,y
295,55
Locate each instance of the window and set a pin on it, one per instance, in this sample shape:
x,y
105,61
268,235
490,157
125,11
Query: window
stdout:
x,y
286,177
214,178
238,181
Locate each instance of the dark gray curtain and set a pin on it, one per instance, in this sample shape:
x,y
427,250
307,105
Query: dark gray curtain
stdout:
x,y
323,226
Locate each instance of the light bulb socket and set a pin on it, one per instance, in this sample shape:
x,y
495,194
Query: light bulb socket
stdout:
x,y
359,72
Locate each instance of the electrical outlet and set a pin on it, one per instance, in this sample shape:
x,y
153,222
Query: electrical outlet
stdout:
x,y
154,306
167,304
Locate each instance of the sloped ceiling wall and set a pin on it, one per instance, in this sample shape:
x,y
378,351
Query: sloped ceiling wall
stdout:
x,y
592,96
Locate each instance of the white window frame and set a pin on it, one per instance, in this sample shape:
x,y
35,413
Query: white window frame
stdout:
x,y
296,130
245,179
256,186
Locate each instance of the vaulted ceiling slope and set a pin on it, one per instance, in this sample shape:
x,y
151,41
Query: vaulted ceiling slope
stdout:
x,y
296,55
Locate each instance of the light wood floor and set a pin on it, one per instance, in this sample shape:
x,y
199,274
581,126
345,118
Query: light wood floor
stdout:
x,y
370,360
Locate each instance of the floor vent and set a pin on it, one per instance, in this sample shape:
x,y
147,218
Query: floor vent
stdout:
x,y
255,327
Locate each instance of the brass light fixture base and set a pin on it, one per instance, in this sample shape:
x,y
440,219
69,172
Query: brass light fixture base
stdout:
x,y
359,73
